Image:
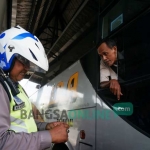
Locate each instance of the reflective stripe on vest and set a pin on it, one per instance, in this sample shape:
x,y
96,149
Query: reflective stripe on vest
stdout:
x,y
17,121
21,123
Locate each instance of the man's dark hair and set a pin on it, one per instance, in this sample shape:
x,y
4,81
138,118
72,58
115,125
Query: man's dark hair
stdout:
x,y
109,42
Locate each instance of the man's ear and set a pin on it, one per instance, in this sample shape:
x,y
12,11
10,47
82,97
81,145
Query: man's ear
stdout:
x,y
115,48
115,51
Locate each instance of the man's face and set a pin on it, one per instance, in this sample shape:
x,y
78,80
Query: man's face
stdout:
x,y
108,55
18,71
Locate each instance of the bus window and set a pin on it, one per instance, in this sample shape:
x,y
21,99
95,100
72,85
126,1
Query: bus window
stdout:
x,y
123,11
135,85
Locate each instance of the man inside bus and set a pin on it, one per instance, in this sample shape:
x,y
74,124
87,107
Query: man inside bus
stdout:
x,y
107,50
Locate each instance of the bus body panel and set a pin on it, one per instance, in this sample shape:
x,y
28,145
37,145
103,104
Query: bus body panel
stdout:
x,y
100,124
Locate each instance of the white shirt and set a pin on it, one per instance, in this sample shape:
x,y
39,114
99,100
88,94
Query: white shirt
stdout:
x,y
105,72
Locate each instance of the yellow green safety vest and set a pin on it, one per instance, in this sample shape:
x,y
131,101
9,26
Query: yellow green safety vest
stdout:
x,y
19,123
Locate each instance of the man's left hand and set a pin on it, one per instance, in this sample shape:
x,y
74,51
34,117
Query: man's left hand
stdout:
x,y
115,88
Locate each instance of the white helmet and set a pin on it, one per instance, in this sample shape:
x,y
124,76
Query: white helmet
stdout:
x,y
19,43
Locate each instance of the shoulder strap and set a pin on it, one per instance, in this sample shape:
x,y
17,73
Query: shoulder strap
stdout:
x,y
5,87
6,81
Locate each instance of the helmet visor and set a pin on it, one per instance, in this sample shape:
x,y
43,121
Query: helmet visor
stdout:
x,y
31,66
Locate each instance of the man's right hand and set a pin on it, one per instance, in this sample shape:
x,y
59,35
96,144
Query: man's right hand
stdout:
x,y
59,133
115,88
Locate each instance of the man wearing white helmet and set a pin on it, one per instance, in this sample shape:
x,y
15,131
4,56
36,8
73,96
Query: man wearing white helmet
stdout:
x,y
20,51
